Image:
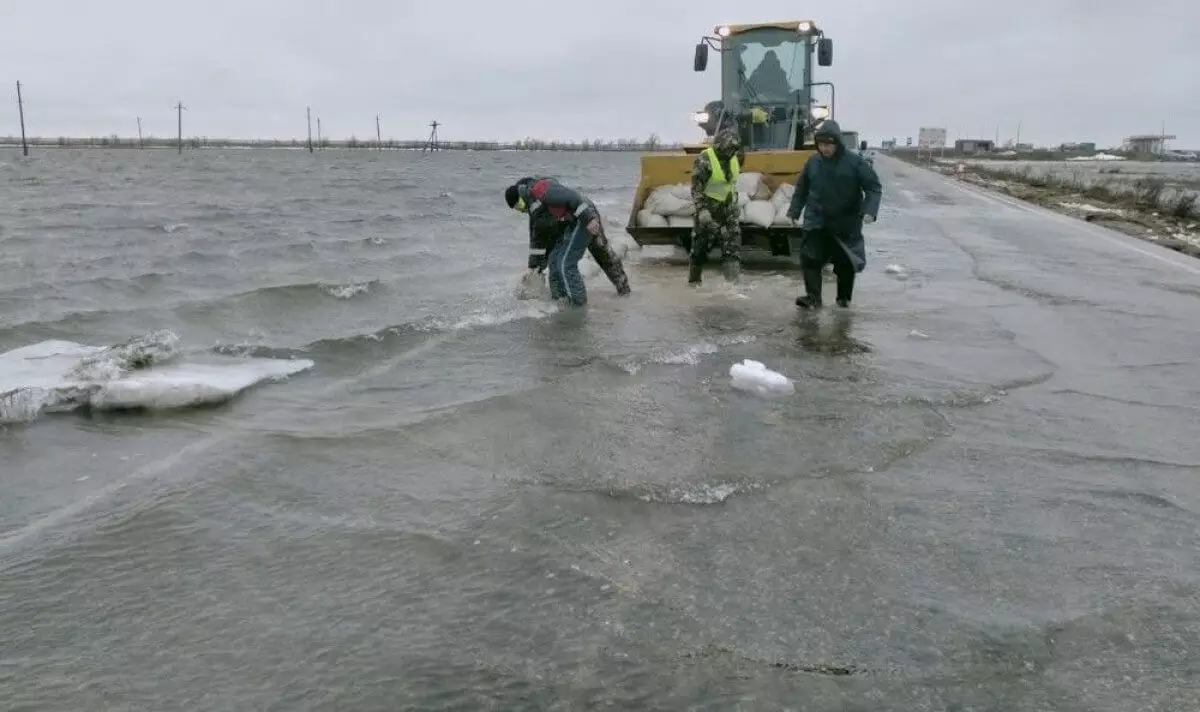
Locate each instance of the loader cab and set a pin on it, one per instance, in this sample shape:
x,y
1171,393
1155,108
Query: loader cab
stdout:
x,y
766,82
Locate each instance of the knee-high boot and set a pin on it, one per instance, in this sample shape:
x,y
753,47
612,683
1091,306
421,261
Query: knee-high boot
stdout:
x,y
812,289
845,288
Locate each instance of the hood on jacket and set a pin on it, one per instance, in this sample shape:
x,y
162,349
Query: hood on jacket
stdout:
x,y
522,186
829,128
726,143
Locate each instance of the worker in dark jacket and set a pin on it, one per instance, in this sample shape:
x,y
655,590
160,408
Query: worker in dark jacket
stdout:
x,y
553,222
838,191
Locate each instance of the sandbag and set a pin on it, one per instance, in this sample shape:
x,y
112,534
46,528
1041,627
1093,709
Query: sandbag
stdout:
x,y
759,212
782,202
783,195
743,198
782,219
668,200
681,221
753,185
646,218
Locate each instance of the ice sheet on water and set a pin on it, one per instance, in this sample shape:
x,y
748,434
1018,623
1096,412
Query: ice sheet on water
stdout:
x,y
144,372
753,376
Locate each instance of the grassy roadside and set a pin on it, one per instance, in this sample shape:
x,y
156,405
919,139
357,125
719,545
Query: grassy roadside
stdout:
x,y
1146,208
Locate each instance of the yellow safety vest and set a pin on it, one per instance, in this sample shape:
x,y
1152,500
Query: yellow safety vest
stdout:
x,y
720,187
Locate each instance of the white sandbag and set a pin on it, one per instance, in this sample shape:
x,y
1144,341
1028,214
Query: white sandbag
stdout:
x,y
646,218
759,212
667,200
782,202
753,185
681,221
783,196
743,198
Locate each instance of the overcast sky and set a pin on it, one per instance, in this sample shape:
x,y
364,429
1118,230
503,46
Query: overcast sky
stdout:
x,y
1067,70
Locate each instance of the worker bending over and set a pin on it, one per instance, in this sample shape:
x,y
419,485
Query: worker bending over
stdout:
x,y
554,208
545,231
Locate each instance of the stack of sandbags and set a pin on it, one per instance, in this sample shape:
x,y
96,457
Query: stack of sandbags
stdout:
x,y
781,201
671,205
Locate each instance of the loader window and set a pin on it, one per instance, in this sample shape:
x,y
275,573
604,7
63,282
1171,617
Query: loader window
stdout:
x,y
768,66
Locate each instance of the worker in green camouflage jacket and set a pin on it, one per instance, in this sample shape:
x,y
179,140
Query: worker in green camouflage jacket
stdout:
x,y
714,194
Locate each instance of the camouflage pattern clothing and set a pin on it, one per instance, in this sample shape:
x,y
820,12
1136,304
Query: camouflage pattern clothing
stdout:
x,y
609,261
716,222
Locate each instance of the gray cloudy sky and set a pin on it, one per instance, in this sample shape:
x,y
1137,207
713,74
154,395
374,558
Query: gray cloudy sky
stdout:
x,y
1066,69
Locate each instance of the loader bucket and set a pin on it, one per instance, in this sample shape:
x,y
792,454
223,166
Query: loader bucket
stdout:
x,y
658,169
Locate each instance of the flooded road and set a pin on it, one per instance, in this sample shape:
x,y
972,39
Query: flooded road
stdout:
x,y
984,493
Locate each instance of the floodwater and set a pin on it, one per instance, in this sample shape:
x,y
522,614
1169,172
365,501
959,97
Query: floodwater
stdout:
x,y
984,493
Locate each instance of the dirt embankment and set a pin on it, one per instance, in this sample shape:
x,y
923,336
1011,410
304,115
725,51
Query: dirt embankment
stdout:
x,y
1146,208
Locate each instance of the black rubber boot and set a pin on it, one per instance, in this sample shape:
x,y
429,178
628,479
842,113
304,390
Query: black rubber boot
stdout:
x,y
812,289
845,289
694,270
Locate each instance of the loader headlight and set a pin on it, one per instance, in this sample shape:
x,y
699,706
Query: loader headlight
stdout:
x,y
820,112
804,28
700,117
722,30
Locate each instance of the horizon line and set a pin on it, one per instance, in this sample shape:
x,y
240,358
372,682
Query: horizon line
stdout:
x,y
195,142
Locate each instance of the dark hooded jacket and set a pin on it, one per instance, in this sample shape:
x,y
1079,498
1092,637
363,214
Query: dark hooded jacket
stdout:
x,y
835,193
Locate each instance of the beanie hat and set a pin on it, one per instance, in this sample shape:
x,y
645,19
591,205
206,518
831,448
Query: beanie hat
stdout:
x,y
511,195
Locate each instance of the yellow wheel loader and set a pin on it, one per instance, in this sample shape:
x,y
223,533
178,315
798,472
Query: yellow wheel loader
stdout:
x,y
767,94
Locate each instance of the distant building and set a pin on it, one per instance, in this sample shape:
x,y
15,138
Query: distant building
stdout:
x,y
1148,143
974,145
888,144
1085,147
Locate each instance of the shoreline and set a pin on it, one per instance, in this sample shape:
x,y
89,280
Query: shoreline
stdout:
x,y
1147,208
196,144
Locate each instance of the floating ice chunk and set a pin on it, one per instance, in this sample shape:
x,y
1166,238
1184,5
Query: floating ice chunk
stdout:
x,y
894,269
753,376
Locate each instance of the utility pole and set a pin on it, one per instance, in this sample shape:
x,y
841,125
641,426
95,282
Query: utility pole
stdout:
x,y
21,111
179,138
141,144
319,133
308,111
378,135
432,143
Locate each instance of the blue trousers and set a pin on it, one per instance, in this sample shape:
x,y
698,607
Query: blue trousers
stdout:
x,y
563,265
